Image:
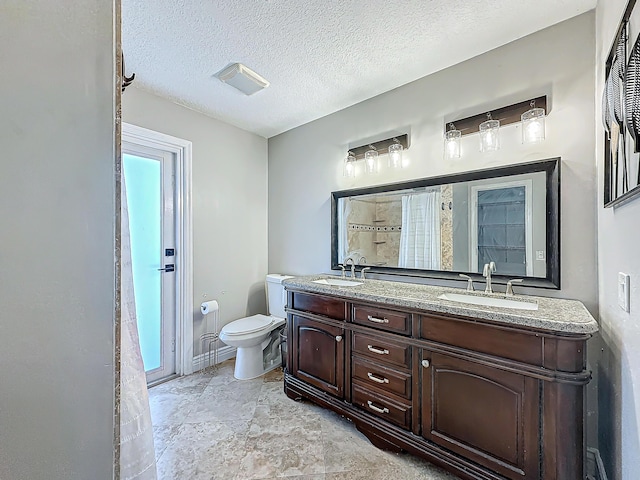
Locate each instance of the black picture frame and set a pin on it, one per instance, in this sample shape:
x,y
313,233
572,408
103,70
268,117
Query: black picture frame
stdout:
x,y
614,194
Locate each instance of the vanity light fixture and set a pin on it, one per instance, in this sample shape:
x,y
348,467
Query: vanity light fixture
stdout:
x,y
530,114
371,160
350,165
395,154
533,124
370,153
489,134
452,142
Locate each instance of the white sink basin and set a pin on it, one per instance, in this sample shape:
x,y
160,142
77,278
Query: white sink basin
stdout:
x,y
489,301
337,282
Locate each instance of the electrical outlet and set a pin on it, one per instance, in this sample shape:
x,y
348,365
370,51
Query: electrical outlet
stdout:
x,y
623,291
539,254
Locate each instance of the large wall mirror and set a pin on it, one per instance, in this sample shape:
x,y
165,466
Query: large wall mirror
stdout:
x,y
442,226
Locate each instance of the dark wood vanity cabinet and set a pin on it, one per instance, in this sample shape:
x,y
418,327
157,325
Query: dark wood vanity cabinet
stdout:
x,y
483,400
483,413
319,354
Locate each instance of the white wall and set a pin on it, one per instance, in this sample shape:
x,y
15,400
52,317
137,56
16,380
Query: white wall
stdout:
x,y
305,164
618,251
229,205
57,235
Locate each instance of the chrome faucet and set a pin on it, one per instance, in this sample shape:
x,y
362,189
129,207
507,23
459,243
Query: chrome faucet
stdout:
x,y
488,269
362,272
342,268
469,282
353,266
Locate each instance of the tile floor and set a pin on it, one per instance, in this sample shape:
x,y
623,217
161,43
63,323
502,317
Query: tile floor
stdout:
x,y
212,426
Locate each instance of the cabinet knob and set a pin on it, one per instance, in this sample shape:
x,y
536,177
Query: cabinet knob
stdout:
x,y
339,338
426,363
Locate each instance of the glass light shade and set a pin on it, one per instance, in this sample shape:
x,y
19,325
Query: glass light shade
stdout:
x,y
490,136
371,161
350,166
452,143
395,155
533,128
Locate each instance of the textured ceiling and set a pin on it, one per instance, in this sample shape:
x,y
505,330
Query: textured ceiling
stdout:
x,y
319,55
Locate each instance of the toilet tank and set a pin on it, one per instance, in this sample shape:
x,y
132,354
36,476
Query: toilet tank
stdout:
x,y
276,297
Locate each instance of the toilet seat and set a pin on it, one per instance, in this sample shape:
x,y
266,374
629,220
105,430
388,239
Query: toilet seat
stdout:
x,y
247,325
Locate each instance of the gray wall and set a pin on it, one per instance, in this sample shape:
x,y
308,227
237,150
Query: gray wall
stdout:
x,y
305,164
618,251
57,258
229,205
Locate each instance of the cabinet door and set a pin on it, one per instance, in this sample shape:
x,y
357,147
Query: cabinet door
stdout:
x,y
488,415
318,354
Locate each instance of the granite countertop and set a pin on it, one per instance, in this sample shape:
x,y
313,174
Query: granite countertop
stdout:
x,y
554,314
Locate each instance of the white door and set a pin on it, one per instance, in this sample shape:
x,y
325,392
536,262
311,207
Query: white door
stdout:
x,y
150,180
501,227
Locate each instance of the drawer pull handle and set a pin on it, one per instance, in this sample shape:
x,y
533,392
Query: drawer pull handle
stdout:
x,y
377,350
377,379
377,409
339,338
377,320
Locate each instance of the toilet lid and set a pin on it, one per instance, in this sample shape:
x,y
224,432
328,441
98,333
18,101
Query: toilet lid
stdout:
x,y
247,325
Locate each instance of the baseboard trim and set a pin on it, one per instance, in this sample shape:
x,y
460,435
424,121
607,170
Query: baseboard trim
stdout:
x,y
595,467
224,353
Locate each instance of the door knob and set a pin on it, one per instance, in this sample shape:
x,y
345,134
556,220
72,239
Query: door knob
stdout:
x,y
339,338
168,268
425,363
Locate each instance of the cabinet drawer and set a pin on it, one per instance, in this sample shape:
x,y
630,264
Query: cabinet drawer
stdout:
x,y
382,349
499,341
389,320
392,410
380,377
325,306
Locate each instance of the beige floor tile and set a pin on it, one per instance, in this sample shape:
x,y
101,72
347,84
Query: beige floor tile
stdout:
x,y
202,451
212,426
163,435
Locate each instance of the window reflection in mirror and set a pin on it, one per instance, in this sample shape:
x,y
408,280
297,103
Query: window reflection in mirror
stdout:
x,y
450,227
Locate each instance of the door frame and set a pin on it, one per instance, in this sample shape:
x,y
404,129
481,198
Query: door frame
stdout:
x,y
182,149
473,219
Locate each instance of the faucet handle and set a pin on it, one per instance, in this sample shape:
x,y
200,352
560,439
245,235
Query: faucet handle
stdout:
x,y
469,282
343,270
489,268
362,272
509,291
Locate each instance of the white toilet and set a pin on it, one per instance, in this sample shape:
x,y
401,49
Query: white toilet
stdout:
x,y
256,337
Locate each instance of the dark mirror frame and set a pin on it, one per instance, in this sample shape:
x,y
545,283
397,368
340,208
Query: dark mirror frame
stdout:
x,y
550,166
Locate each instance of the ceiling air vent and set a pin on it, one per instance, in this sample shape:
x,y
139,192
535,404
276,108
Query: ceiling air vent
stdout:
x,y
243,78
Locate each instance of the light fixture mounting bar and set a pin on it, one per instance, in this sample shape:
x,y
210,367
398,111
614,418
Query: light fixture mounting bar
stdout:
x,y
507,115
381,146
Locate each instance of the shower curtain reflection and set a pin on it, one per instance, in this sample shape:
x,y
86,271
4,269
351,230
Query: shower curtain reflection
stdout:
x,y
420,234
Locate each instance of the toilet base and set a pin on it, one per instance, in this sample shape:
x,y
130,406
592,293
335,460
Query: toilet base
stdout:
x,y
249,363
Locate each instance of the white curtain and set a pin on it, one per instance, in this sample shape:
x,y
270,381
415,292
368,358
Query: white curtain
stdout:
x,y
137,452
420,234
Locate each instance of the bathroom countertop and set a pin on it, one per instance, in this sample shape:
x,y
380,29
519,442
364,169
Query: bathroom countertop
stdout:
x,y
553,314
